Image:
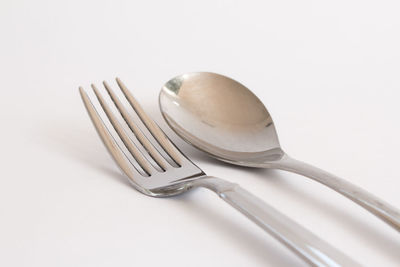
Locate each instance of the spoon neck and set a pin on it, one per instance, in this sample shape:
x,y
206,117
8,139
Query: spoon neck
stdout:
x,y
283,162
290,164
287,163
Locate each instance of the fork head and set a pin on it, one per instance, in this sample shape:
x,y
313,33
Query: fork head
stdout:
x,y
153,164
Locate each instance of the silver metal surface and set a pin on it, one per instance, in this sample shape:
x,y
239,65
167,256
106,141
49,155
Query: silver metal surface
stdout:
x,y
157,168
226,120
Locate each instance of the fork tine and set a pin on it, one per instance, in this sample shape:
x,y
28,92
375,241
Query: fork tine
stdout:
x,y
151,126
138,133
107,138
124,137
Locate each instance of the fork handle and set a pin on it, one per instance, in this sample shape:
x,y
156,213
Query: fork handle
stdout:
x,y
305,244
373,204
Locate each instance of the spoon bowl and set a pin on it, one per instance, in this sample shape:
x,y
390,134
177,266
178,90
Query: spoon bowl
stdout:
x,y
221,117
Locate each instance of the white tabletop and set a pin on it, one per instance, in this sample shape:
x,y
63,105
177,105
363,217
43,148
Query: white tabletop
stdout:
x,y
328,73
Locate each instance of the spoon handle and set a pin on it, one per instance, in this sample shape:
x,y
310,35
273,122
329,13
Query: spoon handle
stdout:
x,y
373,204
305,244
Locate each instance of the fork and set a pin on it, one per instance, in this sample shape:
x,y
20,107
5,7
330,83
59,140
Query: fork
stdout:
x,y
157,168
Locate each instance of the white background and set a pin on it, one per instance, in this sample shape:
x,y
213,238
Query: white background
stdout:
x,y
328,72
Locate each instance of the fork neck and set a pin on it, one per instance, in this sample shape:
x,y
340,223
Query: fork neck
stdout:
x,y
214,184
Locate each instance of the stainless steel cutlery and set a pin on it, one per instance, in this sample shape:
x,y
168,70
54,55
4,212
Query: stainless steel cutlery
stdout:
x,y
156,168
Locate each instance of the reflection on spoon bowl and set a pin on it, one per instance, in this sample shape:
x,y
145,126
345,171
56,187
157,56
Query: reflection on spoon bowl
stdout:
x,y
221,117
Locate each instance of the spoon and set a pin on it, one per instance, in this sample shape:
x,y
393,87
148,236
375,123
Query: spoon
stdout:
x,y
226,120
